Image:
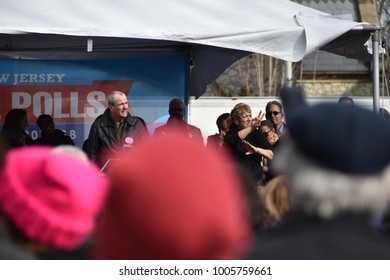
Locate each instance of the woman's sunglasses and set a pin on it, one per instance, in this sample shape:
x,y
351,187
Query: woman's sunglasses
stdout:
x,y
266,132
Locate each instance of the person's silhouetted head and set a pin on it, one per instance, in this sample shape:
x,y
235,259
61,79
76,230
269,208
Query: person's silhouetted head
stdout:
x,y
346,100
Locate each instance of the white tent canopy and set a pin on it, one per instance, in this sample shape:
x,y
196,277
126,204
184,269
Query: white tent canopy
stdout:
x,y
215,33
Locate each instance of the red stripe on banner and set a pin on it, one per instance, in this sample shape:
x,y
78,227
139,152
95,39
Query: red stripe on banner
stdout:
x,y
66,103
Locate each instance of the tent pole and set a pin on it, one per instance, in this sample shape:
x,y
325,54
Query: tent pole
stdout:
x,y
289,81
375,58
89,45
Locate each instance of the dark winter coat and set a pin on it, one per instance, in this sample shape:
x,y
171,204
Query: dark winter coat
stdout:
x,y
102,143
178,125
251,163
9,250
59,138
299,237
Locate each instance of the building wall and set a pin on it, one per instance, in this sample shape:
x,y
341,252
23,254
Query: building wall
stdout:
x,y
338,87
204,111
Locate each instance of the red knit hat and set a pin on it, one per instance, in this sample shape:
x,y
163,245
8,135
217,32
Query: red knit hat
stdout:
x,y
51,196
173,199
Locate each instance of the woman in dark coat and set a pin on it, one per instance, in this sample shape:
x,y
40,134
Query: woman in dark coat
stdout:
x,y
268,129
247,144
14,129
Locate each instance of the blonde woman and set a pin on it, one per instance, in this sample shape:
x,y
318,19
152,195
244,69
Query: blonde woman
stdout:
x,y
246,142
275,200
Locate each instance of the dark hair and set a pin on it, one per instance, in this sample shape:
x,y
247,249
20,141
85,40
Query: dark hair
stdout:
x,y
16,234
175,101
44,118
268,123
223,117
12,121
274,102
346,99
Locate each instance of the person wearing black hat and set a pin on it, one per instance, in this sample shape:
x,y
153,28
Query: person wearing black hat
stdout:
x,y
339,185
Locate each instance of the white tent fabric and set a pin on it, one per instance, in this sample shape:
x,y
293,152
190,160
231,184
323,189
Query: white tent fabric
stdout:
x,y
215,32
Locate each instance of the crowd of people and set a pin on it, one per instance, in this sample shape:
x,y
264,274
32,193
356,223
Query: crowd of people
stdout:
x,y
294,182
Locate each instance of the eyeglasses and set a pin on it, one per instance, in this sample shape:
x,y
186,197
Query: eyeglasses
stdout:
x,y
266,133
275,113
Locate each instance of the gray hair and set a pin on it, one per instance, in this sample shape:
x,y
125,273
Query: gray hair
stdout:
x,y
325,192
111,97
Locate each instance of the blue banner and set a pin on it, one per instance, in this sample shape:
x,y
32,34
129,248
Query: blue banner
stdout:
x,y
74,92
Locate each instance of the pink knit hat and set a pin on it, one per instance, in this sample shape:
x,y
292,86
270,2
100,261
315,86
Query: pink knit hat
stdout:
x,y
51,196
173,199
